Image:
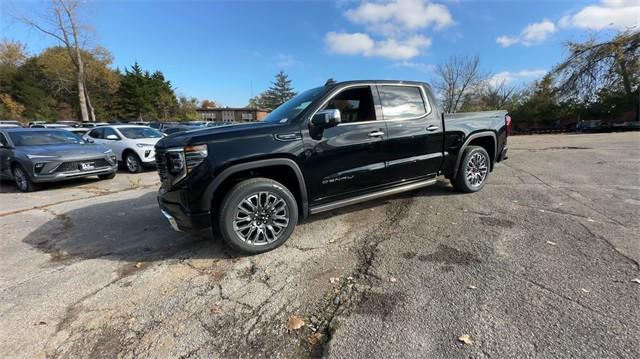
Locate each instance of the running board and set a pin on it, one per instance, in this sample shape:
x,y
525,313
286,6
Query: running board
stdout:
x,y
370,196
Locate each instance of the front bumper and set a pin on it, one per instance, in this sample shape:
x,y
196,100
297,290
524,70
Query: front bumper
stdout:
x,y
503,154
182,220
61,176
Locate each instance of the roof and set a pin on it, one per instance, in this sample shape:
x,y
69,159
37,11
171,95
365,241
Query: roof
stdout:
x,y
231,109
34,129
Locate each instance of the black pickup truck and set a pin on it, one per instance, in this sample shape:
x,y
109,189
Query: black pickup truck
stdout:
x,y
328,147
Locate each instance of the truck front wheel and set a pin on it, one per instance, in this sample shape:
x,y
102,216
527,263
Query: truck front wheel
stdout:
x,y
473,170
257,215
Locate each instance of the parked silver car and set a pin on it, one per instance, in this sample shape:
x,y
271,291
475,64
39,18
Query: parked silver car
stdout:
x,y
35,155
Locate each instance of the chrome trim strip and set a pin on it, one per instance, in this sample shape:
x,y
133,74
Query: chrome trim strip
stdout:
x,y
414,159
369,196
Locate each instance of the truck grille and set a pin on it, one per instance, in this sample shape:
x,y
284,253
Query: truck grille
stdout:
x,y
161,163
75,165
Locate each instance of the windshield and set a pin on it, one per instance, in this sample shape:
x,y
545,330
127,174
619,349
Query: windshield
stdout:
x,y
292,108
43,138
140,132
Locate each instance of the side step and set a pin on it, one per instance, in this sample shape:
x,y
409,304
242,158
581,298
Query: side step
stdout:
x,y
370,196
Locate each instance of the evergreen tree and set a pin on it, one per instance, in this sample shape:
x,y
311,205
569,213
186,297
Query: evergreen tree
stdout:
x,y
280,92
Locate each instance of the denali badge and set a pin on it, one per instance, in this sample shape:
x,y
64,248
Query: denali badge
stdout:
x,y
336,179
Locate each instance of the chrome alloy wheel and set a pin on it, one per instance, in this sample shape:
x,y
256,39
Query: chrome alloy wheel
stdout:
x,y
21,179
132,163
261,218
477,169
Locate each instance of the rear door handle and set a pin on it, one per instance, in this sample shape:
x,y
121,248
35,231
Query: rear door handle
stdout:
x,y
376,134
432,128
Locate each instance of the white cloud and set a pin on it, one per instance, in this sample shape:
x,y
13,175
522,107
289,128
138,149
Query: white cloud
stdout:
x,y
392,28
418,66
531,35
615,14
392,17
508,77
506,41
361,44
285,60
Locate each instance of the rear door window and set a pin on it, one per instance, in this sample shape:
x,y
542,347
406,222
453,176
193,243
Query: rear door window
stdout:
x,y
401,102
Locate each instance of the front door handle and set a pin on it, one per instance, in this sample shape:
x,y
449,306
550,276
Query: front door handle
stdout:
x,y
432,128
376,134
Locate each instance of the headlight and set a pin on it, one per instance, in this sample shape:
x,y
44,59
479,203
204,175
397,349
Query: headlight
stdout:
x,y
181,161
195,155
31,157
144,145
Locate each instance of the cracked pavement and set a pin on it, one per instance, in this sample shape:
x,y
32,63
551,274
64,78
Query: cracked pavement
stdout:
x,y
540,263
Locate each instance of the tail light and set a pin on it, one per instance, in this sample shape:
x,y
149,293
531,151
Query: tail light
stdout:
x,y
507,123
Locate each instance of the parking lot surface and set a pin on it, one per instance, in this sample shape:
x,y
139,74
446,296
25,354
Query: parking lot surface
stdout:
x,y
543,262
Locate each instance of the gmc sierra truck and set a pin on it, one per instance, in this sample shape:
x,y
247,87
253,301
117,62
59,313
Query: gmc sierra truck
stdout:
x,y
327,147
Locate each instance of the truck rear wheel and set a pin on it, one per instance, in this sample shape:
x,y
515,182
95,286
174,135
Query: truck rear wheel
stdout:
x,y
257,215
473,170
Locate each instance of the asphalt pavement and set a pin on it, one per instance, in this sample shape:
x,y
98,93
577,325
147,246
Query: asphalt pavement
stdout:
x,y
543,262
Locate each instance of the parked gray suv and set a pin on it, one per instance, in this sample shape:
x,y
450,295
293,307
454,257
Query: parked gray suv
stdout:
x,y
35,155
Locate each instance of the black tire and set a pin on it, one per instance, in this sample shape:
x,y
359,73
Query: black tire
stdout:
x,y
131,162
22,179
468,176
255,239
107,176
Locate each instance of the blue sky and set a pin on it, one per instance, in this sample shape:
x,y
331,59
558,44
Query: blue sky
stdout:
x,y
219,50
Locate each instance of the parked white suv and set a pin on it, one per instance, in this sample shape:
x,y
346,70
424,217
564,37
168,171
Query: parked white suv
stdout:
x,y
133,145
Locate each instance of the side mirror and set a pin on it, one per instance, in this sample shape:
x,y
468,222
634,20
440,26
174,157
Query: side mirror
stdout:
x,y
326,118
112,137
89,139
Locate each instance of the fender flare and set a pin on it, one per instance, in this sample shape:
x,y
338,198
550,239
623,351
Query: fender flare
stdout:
x,y
466,143
226,173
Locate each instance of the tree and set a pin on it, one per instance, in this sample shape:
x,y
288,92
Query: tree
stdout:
x,y
456,78
279,93
144,95
497,96
63,25
593,66
209,104
187,108
12,53
10,109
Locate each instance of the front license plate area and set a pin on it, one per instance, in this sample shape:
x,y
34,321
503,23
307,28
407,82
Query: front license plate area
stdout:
x,y
87,166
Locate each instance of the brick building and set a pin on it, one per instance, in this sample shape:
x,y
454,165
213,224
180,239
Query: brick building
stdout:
x,y
231,114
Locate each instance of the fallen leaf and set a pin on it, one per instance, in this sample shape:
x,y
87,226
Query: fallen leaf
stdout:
x,y
552,243
139,264
295,323
392,280
590,220
472,287
42,322
216,309
316,338
465,339
636,280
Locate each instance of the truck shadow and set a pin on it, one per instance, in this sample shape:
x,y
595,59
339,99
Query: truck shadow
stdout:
x,y
134,230
125,230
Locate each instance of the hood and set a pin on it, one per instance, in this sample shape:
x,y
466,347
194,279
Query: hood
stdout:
x,y
211,133
71,150
148,141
